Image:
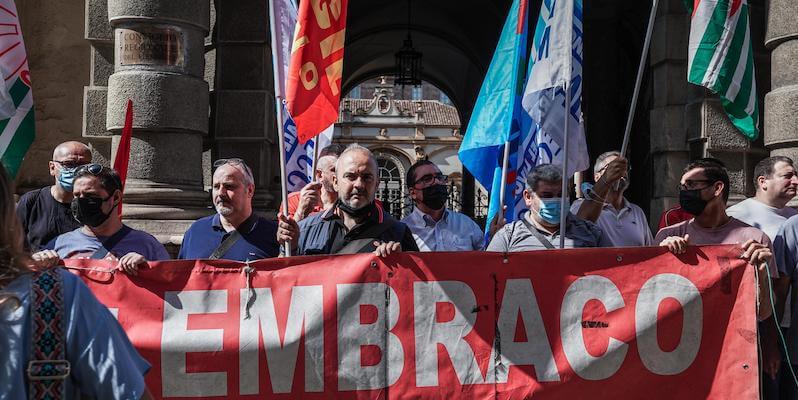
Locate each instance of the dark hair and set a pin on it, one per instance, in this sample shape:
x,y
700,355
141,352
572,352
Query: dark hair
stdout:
x,y
766,167
13,259
411,172
543,172
714,170
331,150
109,179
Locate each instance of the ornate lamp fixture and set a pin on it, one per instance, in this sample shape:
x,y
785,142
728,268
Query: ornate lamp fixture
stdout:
x,y
408,60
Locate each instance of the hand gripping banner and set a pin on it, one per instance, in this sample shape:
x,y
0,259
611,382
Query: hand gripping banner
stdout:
x,y
587,323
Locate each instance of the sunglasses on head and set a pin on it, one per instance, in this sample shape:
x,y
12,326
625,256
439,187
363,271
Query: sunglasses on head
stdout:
x,y
94,169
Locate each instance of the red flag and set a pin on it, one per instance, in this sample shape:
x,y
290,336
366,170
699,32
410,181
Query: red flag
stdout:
x,y
313,88
123,151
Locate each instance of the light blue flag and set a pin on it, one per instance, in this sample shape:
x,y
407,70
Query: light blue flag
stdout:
x,y
495,118
544,98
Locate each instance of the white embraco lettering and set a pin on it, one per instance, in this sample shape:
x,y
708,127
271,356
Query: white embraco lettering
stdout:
x,y
354,335
450,334
177,340
653,292
305,320
584,364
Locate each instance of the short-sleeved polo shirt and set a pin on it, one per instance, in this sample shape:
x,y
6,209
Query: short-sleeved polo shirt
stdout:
x,y
579,232
258,239
627,227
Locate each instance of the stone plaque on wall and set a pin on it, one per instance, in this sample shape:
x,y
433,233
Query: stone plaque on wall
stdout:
x,y
151,46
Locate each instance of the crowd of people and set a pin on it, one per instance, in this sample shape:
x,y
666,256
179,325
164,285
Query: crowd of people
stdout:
x,y
337,213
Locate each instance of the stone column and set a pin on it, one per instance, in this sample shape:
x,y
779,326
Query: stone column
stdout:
x,y
159,64
781,104
668,137
100,36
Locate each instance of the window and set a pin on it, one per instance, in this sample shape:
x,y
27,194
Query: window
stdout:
x,y
355,92
416,93
390,190
445,99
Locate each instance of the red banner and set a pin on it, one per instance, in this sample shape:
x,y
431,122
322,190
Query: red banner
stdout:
x,y
313,86
587,323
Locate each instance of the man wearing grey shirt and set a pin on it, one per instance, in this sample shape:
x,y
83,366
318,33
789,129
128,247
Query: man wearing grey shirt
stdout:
x,y
434,227
539,229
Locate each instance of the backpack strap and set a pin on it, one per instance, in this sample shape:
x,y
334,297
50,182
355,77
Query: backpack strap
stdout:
x,y
225,245
542,239
48,367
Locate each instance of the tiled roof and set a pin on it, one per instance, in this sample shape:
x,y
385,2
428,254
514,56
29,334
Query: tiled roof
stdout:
x,y
435,112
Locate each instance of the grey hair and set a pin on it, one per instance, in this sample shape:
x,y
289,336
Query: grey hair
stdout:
x,y
356,148
239,164
543,172
602,162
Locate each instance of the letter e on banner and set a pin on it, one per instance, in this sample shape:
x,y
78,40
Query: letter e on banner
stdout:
x,y
177,340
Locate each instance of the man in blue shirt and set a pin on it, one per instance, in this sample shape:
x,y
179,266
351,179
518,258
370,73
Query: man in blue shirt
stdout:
x,y
97,193
234,232
434,227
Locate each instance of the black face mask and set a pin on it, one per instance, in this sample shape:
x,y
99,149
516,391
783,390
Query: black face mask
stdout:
x,y
356,213
435,196
691,201
88,210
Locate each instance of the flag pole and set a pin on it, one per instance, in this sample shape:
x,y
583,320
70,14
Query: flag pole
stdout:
x,y
563,210
278,105
316,151
639,80
567,87
503,187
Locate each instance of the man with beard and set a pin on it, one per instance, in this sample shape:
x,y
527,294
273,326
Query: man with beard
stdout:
x,y
434,227
234,232
624,223
97,193
356,224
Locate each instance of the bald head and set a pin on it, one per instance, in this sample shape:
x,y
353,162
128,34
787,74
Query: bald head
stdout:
x,y
356,177
72,149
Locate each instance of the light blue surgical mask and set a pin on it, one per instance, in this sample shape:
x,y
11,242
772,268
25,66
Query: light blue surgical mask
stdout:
x,y
550,209
66,178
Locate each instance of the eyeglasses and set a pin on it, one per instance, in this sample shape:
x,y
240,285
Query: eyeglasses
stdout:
x,y
69,164
690,184
427,180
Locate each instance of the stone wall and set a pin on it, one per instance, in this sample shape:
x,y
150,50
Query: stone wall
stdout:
x,y
58,56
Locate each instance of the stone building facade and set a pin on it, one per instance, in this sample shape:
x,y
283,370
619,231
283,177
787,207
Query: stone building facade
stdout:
x,y
211,96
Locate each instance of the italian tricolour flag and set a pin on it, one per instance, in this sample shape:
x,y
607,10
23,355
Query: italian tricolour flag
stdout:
x,y
721,58
16,99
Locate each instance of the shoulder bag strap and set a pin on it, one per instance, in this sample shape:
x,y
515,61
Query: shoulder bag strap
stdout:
x,y
48,367
226,244
542,239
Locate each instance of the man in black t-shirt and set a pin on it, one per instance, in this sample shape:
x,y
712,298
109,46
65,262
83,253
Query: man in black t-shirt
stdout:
x,y
45,213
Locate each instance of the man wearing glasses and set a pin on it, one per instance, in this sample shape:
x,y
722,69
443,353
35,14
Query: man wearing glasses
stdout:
x,y
235,232
624,223
45,213
434,227
97,194
703,192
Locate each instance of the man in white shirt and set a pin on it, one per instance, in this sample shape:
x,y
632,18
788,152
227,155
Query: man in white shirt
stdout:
x,y
434,227
622,222
776,184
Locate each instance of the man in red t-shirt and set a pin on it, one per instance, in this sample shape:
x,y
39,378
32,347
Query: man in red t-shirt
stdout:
x,y
319,194
673,216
